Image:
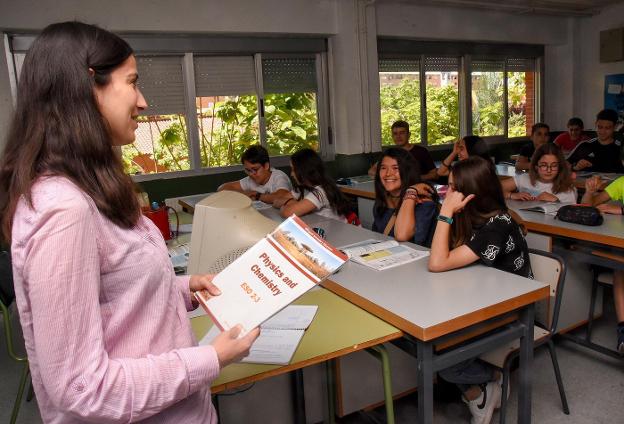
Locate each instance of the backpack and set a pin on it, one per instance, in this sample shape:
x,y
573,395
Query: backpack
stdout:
x,y
579,214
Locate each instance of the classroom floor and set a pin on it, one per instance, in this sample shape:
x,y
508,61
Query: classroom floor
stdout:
x,y
594,385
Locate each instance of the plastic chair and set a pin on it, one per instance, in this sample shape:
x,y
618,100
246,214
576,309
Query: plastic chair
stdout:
x,y
604,279
7,295
547,268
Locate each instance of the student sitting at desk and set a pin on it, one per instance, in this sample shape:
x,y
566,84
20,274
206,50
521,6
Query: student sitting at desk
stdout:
x,y
471,145
540,133
568,140
400,136
315,190
614,191
549,178
403,209
475,225
103,315
262,182
603,153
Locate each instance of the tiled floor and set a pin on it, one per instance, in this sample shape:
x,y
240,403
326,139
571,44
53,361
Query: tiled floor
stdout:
x,y
594,385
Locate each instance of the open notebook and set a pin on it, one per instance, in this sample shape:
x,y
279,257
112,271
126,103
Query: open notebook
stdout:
x,y
381,255
279,336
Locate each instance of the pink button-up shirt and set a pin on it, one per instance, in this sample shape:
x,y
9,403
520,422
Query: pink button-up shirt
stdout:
x,y
104,316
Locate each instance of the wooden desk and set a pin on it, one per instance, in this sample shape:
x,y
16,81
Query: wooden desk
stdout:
x,y
577,244
339,328
434,307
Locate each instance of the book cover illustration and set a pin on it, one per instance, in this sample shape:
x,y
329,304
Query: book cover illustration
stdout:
x,y
270,275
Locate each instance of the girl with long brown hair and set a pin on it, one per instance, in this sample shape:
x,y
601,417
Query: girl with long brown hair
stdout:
x,y
549,178
102,312
474,225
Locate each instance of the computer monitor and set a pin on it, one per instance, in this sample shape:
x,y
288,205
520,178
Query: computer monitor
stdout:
x,y
225,225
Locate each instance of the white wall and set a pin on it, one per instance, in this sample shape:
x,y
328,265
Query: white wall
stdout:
x,y
571,86
445,23
591,71
208,16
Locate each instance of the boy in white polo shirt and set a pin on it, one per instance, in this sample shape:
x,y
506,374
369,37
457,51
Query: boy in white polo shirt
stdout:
x,y
262,182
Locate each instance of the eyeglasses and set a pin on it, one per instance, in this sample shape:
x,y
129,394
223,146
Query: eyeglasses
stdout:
x,y
252,171
548,167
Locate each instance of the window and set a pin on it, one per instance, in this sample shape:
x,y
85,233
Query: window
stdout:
x,y
290,104
442,99
399,86
161,143
210,98
521,96
446,90
487,97
226,102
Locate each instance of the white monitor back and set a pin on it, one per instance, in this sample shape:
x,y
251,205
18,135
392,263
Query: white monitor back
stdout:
x,y
225,225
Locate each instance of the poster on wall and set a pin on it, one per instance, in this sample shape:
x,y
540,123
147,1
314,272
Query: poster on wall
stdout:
x,y
614,96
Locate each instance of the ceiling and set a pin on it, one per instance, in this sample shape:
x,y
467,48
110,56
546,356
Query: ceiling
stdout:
x,y
532,7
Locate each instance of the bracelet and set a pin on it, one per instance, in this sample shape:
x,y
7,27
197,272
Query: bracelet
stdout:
x,y
445,165
286,202
445,219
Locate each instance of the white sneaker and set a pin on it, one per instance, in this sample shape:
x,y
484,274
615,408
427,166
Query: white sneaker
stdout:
x,y
483,407
500,383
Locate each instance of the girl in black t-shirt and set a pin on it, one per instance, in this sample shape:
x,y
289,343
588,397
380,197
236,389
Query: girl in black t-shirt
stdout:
x,y
475,225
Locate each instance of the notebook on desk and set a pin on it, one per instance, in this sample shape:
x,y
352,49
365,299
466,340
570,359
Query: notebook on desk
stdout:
x,y
279,336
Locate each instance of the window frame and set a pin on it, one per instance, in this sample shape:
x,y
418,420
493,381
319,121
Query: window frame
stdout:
x,y
403,49
189,45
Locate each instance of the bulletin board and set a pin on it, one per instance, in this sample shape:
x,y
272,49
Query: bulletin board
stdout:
x,y
614,96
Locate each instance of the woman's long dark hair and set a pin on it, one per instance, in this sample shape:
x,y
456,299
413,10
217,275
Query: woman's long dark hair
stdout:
x,y
57,128
563,181
409,171
477,176
476,146
310,172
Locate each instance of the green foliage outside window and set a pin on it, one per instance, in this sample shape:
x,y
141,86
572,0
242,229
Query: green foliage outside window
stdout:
x,y
402,101
226,129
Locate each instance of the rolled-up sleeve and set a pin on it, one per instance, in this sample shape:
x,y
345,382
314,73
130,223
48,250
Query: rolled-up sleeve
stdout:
x,y
62,279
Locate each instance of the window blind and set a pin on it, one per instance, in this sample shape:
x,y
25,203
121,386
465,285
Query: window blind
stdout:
x,y
162,84
224,76
289,75
485,65
399,65
441,64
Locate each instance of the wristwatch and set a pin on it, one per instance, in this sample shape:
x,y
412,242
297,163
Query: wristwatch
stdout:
x,y
258,196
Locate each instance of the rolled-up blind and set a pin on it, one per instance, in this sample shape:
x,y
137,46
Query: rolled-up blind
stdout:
x,y
162,84
289,75
224,76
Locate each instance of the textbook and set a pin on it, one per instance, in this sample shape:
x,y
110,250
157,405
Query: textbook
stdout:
x,y
549,208
380,255
279,336
270,275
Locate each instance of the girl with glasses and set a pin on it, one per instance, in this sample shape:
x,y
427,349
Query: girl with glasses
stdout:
x,y
549,178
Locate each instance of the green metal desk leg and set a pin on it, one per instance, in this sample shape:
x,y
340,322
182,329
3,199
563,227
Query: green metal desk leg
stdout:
x,y
381,353
330,371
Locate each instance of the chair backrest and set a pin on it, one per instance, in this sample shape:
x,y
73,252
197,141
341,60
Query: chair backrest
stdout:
x,y
550,269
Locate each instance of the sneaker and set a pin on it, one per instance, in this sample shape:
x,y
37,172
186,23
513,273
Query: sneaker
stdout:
x,y
500,383
620,342
483,407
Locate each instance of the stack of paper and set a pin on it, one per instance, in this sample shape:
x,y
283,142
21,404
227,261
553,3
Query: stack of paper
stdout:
x,y
279,336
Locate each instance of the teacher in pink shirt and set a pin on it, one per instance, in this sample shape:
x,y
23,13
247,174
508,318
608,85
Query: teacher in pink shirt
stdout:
x,y
102,312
